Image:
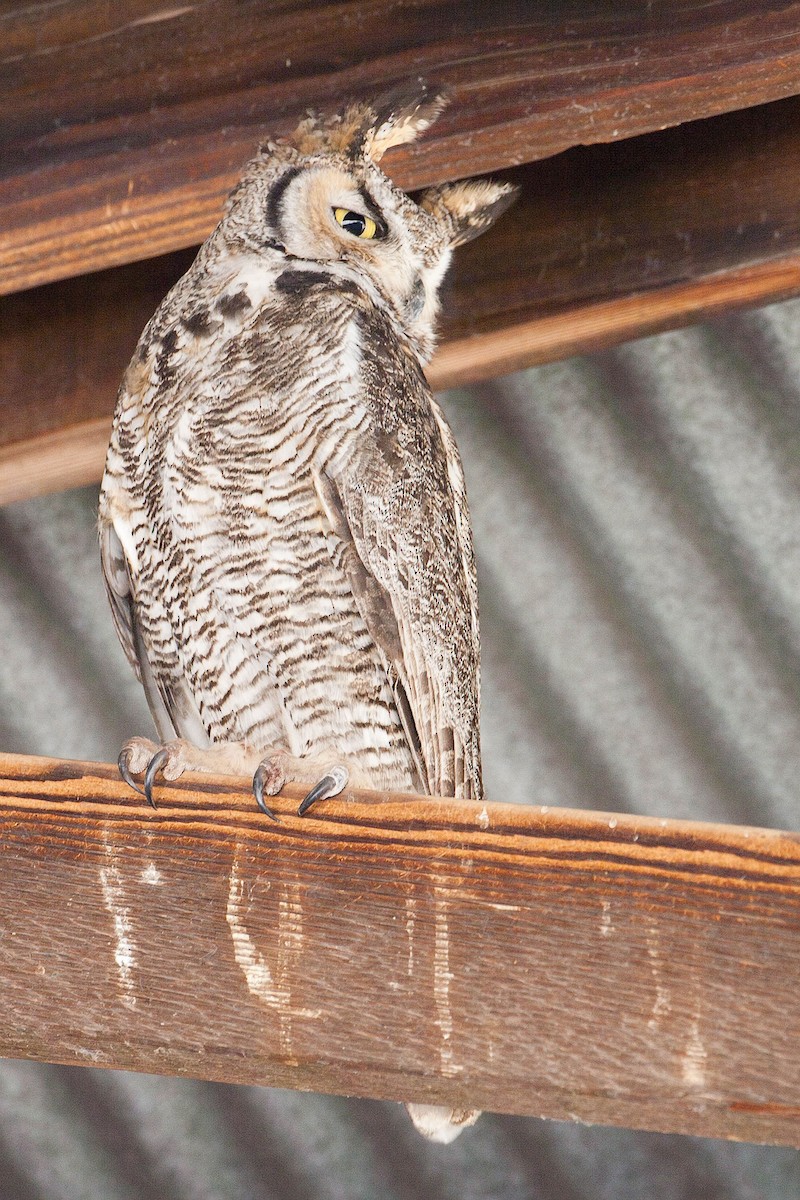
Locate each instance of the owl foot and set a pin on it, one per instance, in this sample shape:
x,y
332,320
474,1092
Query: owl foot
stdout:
x,y
141,755
279,768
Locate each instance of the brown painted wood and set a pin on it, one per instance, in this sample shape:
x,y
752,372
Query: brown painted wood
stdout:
x,y
696,205
63,349
123,125
575,965
607,242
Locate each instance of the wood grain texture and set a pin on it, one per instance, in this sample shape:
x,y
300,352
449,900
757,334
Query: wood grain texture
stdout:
x,y
607,242
63,349
588,327
124,125
575,965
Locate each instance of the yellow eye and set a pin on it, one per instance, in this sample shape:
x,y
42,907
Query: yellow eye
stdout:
x,y
353,222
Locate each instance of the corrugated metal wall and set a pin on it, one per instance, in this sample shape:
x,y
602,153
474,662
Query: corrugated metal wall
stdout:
x,y
637,521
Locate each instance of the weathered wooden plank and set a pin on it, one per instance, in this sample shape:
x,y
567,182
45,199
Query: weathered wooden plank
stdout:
x,y
63,349
590,327
692,207
607,242
67,458
575,965
124,125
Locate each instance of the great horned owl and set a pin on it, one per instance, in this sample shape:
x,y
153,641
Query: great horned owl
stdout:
x,y
283,520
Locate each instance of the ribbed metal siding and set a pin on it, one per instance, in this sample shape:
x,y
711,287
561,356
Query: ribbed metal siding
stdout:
x,y
71,1134
637,520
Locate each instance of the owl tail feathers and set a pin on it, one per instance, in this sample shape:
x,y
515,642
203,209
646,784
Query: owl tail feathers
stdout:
x,y
440,1124
370,128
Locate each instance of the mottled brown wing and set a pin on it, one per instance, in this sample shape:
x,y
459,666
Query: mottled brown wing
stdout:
x,y
396,506
171,705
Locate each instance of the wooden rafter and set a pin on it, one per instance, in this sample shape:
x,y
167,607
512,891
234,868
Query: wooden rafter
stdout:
x,y
125,125
602,967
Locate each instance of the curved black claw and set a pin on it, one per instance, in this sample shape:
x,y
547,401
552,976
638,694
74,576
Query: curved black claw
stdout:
x,y
330,785
125,773
258,792
153,767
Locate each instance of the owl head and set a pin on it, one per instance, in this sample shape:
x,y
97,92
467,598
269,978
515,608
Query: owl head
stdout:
x,y
320,196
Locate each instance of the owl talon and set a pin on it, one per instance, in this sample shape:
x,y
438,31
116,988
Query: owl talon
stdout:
x,y
265,772
125,772
153,767
330,785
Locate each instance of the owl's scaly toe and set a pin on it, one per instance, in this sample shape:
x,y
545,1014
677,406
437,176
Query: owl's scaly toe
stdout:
x,y
135,757
279,767
140,755
330,785
269,779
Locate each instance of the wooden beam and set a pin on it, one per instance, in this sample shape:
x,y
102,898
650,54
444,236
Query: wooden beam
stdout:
x,y
615,241
125,125
63,349
594,326
586,966
607,242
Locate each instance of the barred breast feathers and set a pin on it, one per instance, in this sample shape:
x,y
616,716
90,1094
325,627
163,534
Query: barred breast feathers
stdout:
x,y
353,432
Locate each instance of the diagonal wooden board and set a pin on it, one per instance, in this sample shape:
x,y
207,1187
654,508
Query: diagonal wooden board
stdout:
x,y
597,967
124,126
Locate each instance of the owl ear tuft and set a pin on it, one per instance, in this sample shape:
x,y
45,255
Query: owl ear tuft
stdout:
x,y
373,127
401,115
469,207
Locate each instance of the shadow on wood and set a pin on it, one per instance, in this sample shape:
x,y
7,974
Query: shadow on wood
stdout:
x,y
574,965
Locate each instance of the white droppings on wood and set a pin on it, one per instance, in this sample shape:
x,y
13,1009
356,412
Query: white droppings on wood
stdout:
x,y
442,977
272,989
411,912
165,14
290,946
120,913
606,925
152,875
695,1057
89,1053
578,1119
251,961
663,1002
483,818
